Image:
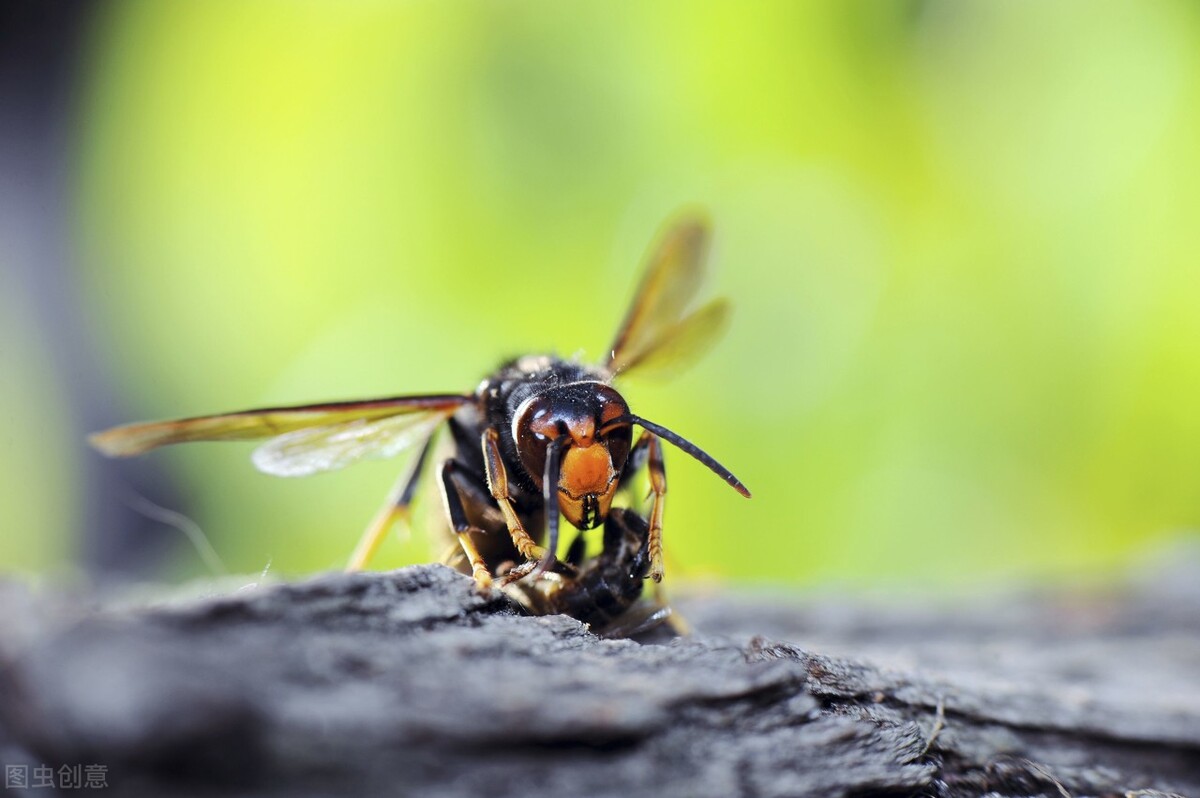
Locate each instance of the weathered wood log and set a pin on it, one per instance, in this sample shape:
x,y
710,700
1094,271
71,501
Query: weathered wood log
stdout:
x,y
410,683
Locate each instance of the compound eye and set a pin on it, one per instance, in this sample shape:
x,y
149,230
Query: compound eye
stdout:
x,y
534,426
612,406
617,437
542,422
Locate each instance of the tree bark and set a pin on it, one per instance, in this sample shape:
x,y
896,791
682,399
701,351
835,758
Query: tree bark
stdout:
x,y
410,683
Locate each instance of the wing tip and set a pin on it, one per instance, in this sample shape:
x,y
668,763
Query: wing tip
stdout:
x,y
130,440
692,216
691,229
115,442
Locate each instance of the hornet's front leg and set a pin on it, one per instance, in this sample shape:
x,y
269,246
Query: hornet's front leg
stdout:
x,y
647,452
497,479
658,487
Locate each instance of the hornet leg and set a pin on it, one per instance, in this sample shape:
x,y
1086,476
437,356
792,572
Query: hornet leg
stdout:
x,y
452,497
497,478
658,487
394,509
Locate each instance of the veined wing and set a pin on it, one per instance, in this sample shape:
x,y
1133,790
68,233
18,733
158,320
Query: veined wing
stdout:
x,y
679,345
268,422
310,451
672,278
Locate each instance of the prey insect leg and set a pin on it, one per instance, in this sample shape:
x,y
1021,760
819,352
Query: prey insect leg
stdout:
x,y
497,479
452,497
395,508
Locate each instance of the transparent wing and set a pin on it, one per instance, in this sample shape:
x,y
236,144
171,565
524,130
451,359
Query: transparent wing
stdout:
x,y
310,451
134,439
680,345
672,278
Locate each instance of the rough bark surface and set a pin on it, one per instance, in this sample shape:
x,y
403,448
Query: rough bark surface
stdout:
x,y
410,683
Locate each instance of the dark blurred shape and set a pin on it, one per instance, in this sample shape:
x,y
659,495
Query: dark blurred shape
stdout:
x,y
40,49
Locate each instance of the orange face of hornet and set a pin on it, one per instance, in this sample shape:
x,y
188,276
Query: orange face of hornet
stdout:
x,y
578,435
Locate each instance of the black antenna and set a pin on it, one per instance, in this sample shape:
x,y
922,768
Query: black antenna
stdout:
x,y
682,443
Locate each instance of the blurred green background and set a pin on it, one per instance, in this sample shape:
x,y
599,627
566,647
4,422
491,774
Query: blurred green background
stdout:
x,y
960,239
